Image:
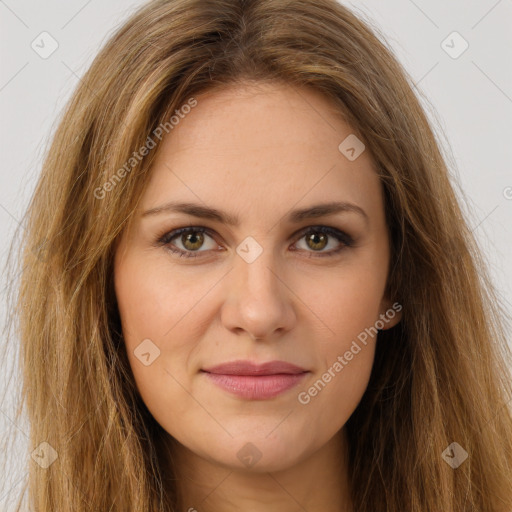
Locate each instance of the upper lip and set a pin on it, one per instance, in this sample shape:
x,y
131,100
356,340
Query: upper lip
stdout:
x,y
252,368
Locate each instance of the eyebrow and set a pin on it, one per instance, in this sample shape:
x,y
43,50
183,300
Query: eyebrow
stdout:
x,y
296,216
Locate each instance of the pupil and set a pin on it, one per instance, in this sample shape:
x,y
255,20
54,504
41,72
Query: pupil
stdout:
x,y
316,239
193,238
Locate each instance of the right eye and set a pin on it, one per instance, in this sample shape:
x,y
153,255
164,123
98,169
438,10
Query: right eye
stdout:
x,y
191,238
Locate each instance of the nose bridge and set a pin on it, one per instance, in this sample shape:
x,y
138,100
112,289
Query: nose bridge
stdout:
x,y
259,303
256,266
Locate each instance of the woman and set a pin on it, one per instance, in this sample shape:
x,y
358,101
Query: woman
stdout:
x,y
257,289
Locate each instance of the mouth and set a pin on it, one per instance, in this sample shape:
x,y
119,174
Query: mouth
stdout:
x,y
252,381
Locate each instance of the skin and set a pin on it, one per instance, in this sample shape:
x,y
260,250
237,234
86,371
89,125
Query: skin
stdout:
x,y
257,152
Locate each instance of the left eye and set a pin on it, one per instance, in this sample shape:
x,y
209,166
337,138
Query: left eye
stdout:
x,y
193,238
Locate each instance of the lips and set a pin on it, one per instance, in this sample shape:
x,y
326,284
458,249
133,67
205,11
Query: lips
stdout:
x,y
252,381
251,368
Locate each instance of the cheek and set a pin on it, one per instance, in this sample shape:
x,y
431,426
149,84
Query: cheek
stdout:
x,y
346,302
331,397
156,301
153,306
349,306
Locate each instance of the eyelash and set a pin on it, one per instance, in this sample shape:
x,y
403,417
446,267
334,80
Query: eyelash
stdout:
x,y
344,238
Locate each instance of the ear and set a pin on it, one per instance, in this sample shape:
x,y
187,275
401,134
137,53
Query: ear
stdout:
x,y
390,314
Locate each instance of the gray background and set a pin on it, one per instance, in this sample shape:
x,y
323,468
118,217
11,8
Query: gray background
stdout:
x,y
468,98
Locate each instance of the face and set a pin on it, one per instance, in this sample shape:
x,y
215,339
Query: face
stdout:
x,y
257,275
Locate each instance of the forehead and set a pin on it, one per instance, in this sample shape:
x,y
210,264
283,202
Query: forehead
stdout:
x,y
257,147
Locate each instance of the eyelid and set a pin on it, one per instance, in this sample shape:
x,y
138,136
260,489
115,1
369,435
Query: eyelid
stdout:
x,y
343,238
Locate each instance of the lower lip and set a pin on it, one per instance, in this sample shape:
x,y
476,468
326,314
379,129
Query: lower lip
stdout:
x,y
259,387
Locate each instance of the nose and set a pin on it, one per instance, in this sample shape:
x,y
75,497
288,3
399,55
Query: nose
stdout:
x,y
259,300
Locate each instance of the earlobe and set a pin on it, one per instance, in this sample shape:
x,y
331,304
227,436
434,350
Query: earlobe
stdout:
x,y
390,315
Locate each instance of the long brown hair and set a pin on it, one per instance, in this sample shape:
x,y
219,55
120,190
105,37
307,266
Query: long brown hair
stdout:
x,y
440,376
